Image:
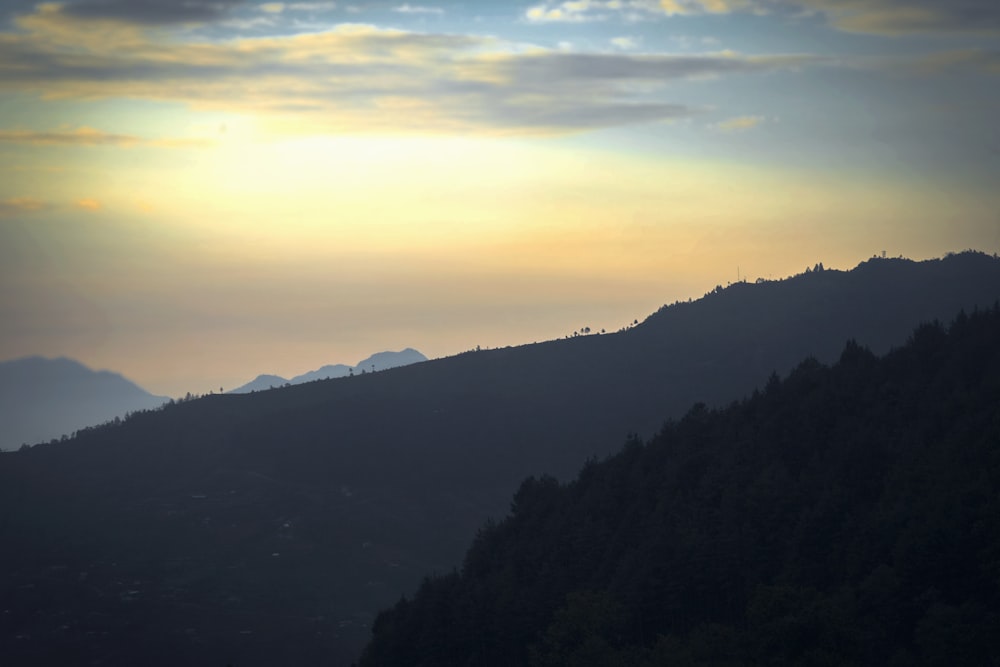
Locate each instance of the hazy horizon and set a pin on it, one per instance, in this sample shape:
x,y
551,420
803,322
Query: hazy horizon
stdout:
x,y
290,378
195,193
312,366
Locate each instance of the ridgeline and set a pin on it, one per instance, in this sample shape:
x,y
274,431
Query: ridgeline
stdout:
x,y
847,515
270,528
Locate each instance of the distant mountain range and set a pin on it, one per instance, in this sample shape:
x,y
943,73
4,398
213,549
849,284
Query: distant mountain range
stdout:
x,y
269,528
42,398
379,361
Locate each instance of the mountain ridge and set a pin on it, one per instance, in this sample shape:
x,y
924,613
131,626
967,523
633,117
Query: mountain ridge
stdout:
x,y
844,514
386,476
48,397
377,361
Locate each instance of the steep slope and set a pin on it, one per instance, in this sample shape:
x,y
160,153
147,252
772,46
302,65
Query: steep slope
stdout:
x,y
41,399
846,515
363,484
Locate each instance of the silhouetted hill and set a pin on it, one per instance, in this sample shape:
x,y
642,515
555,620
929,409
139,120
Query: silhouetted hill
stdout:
x,y
843,516
328,372
161,531
379,361
261,383
41,399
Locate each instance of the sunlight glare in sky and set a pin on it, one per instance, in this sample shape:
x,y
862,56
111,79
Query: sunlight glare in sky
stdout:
x,y
195,193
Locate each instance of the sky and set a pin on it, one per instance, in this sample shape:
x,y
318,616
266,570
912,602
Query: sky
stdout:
x,y
193,192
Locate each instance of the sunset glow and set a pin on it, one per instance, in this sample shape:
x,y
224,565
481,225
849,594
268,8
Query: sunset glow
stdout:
x,y
195,193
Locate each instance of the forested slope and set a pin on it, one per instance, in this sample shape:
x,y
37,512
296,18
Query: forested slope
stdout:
x,y
846,515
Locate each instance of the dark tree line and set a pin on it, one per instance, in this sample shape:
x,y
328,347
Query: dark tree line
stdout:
x,y
846,515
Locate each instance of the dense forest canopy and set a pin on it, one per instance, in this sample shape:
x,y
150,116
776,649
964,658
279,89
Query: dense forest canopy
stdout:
x,y
846,515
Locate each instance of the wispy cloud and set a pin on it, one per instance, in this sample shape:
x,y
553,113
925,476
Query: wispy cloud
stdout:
x,y
152,12
88,137
549,67
418,9
565,12
980,60
672,7
82,136
21,205
882,17
581,11
311,6
625,43
739,124
88,204
357,77
898,17
281,7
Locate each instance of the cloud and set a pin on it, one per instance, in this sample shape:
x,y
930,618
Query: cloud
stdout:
x,y
88,204
947,63
356,78
580,11
152,12
311,6
89,137
417,9
740,123
881,17
625,43
82,136
681,7
980,60
570,68
899,17
21,205
283,7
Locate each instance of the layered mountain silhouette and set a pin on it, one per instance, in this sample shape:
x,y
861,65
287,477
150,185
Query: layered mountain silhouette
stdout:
x,y
42,398
379,361
269,528
846,515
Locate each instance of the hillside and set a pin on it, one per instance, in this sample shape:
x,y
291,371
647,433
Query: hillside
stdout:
x,y
41,399
155,540
843,516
